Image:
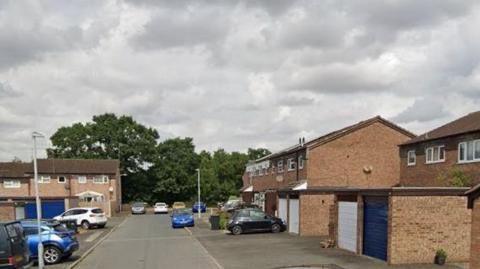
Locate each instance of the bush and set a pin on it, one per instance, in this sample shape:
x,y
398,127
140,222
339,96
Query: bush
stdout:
x,y
441,253
223,220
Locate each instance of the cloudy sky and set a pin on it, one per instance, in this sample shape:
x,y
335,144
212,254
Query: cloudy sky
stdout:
x,y
235,74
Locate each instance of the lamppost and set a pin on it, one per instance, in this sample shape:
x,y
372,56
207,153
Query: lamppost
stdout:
x,y
198,190
36,135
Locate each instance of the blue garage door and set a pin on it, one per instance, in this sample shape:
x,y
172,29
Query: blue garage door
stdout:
x,y
375,235
50,209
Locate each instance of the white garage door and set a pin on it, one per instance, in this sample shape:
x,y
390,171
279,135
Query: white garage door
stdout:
x,y
282,209
347,225
293,216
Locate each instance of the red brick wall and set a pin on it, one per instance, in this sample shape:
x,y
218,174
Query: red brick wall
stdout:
x,y
315,214
7,211
419,225
436,174
341,162
247,197
22,191
475,251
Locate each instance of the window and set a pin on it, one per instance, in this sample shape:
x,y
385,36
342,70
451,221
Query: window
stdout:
x,y
435,154
100,179
266,171
44,179
11,184
300,162
292,165
280,166
469,151
82,179
260,171
411,158
62,179
257,215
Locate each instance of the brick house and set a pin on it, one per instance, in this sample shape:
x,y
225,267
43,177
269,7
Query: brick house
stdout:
x,y
298,183
474,204
63,183
439,156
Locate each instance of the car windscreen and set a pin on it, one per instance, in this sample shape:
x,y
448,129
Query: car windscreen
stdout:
x,y
137,205
160,204
183,211
97,211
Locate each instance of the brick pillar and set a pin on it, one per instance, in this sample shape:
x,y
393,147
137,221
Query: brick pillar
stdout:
x,y
475,250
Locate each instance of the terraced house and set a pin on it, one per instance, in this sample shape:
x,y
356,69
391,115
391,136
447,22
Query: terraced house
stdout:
x,y
298,184
63,184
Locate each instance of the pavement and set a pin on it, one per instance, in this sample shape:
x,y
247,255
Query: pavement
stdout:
x,y
148,242
87,239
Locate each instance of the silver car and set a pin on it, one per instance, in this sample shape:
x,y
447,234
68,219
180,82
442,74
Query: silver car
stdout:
x,y
138,208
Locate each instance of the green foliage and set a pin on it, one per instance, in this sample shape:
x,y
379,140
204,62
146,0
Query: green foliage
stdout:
x,y
154,171
223,220
254,154
441,253
455,177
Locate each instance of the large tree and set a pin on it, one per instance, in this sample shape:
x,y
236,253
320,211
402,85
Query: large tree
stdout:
x,y
111,137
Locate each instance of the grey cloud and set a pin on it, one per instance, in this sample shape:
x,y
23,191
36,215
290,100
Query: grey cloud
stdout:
x,y
7,91
423,110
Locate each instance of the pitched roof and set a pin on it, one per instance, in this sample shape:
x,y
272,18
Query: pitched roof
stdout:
x,y
349,129
337,134
60,166
466,124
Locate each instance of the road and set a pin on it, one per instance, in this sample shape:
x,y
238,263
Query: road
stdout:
x,y
148,242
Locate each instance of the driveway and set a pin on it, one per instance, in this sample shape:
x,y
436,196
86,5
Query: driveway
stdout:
x,y
267,250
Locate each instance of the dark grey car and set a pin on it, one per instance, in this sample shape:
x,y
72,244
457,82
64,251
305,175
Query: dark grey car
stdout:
x,y
14,251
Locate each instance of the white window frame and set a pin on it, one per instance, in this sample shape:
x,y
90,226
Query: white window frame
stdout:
x,y
300,162
104,179
64,177
432,149
260,171
291,164
280,166
13,184
82,179
414,158
44,179
474,159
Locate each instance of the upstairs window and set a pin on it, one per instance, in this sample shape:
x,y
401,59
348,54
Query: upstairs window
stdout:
x,y
62,179
260,171
411,158
435,154
469,151
11,184
82,179
300,162
292,165
44,179
280,166
100,179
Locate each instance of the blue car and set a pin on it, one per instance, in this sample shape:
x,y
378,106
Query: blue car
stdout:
x,y
58,241
182,217
202,207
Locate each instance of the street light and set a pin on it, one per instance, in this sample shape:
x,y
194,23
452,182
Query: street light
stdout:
x,y
198,190
36,135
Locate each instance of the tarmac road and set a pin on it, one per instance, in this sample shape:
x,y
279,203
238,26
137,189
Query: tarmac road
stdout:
x,y
148,242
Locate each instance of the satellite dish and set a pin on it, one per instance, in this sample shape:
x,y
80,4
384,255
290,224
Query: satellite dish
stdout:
x,y
367,169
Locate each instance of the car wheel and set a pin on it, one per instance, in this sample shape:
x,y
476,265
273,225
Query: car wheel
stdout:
x,y
85,224
236,230
52,255
276,228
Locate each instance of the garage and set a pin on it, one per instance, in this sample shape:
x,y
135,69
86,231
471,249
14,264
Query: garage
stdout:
x,y
50,209
293,215
347,225
282,208
375,227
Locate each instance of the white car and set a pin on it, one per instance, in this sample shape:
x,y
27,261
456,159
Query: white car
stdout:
x,y
86,217
161,208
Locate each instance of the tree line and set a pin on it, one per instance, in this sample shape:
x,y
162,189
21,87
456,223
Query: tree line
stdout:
x,y
154,170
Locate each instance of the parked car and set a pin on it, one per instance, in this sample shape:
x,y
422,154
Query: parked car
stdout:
x,y
182,217
53,223
138,208
14,251
160,208
232,205
58,242
202,207
87,217
177,205
254,220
